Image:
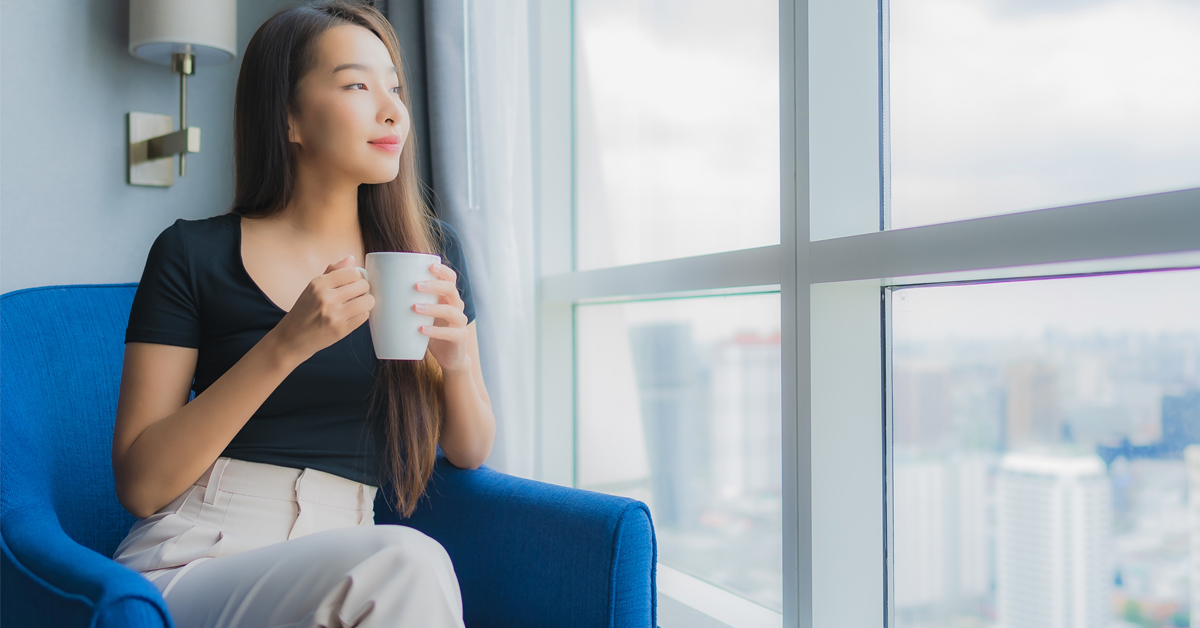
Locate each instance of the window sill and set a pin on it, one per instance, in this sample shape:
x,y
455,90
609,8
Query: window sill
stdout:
x,y
687,601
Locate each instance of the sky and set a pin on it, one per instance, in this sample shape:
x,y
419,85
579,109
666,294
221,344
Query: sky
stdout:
x,y
677,121
1009,105
994,106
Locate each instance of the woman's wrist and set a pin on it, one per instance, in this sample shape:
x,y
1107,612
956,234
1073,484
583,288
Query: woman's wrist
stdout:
x,y
279,353
463,366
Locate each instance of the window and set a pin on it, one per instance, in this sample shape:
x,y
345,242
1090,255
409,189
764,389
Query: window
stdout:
x,y
644,293
1039,430
677,397
677,129
1004,106
679,407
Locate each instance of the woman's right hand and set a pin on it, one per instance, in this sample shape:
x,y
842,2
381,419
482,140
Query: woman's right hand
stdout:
x,y
331,306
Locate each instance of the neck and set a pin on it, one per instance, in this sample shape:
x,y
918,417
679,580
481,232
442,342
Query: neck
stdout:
x,y
323,207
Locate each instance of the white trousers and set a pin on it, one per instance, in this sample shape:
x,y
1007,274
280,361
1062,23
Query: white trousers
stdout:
x,y
260,545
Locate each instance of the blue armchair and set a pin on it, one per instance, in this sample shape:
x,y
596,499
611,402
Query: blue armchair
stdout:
x,y
526,553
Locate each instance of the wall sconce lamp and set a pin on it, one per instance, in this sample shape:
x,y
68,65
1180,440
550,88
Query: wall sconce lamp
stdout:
x,y
182,34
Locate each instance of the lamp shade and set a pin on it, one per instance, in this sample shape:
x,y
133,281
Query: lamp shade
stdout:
x,y
205,28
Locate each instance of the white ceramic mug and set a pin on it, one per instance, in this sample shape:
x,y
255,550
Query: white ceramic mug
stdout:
x,y
395,327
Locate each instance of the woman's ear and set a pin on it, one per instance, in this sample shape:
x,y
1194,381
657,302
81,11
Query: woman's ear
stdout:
x,y
293,134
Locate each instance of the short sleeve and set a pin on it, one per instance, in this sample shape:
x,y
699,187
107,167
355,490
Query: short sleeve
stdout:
x,y
164,307
455,258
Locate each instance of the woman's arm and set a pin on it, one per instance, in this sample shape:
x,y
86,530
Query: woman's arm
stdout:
x,y
470,427
161,443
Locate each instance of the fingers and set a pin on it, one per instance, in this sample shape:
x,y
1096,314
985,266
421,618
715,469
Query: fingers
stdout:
x,y
353,289
340,273
349,259
453,334
442,271
443,288
443,311
343,276
363,304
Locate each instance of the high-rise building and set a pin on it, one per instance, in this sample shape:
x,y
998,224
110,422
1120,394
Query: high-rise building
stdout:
x,y
672,386
920,404
747,372
1032,402
942,532
1192,457
1053,543
919,538
1180,421
972,500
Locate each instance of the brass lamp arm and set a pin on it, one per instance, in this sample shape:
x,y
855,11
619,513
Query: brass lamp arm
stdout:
x,y
151,138
179,142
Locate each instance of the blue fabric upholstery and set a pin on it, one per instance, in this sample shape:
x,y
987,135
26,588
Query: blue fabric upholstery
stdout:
x,y
526,553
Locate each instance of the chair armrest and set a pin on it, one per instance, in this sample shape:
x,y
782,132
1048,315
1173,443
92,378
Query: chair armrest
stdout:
x,y
529,553
50,580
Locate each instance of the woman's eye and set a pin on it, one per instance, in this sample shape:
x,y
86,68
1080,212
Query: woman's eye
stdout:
x,y
395,89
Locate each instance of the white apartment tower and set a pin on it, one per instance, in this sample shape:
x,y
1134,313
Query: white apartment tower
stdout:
x,y
942,531
747,373
1054,565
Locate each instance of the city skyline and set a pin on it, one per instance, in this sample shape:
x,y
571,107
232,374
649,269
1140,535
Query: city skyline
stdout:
x,y
1125,396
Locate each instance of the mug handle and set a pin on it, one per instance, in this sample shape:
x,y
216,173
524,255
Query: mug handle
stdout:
x,y
362,271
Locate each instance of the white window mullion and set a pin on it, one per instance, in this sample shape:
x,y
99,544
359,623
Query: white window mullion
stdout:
x,y
551,124
794,197
745,268
1160,224
843,452
1167,222
848,457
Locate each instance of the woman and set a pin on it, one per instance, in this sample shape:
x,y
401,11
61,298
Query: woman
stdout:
x,y
255,499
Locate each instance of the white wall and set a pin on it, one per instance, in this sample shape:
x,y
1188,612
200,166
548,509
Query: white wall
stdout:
x,y
67,216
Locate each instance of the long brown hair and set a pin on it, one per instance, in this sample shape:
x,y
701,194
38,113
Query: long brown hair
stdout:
x,y
393,215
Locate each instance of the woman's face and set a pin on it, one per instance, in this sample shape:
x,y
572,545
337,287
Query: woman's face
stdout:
x,y
349,100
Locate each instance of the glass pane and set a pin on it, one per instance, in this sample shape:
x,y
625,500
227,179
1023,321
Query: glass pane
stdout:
x,y
679,406
1039,435
676,129
1011,105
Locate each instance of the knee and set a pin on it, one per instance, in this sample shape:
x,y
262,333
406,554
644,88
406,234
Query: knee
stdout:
x,y
409,546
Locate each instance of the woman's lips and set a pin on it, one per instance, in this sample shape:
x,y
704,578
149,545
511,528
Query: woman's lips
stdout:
x,y
391,147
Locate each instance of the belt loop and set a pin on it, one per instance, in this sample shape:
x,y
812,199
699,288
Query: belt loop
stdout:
x,y
300,482
362,502
304,508
214,479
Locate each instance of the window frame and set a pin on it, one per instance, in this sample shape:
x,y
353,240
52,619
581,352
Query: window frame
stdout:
x,y
834,297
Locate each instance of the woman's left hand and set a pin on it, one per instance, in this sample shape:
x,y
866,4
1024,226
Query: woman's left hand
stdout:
x,y
448,334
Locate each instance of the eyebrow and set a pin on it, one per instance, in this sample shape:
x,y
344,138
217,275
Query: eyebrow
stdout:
x,y
357,66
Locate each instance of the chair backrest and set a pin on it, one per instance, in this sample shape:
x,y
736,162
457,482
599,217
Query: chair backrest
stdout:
x,y
61,353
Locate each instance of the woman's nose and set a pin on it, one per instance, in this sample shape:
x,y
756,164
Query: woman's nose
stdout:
x,y
392,109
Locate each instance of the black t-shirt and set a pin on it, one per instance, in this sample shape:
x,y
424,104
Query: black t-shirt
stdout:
x,y
195,292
